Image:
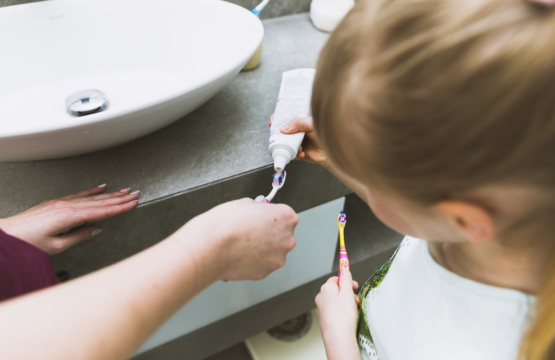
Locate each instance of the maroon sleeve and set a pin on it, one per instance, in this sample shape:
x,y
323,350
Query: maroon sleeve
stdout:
x,y
23,268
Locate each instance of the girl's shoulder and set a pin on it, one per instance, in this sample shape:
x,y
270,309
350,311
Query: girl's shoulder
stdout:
x,y
407,246
370,289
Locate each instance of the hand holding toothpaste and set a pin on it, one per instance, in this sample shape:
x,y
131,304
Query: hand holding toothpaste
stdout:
x,y
310,149
293,101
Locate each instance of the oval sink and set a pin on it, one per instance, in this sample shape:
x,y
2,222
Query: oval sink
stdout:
x,y
144,63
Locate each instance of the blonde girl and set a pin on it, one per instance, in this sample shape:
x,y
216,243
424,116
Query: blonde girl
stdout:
x,y
441,114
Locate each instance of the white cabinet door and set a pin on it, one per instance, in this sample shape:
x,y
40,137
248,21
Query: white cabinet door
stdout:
x,y
316,237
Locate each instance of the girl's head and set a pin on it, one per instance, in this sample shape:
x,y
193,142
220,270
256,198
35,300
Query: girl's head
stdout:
x,y
445,110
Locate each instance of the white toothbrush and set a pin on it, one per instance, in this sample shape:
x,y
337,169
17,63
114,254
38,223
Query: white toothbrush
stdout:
x,y
278,179
256,11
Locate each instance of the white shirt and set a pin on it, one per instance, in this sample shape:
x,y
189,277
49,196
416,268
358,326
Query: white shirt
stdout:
x,y
422,311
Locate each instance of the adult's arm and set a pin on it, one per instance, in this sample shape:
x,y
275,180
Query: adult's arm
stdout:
x,y
108,314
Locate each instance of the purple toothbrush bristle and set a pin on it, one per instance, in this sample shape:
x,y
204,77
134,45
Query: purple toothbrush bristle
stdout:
x,y
342,218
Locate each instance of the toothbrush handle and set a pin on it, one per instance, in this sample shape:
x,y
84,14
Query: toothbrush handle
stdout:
x,y
271,195
343,259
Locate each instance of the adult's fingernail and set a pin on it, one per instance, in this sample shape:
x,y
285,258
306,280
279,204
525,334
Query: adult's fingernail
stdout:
x,y
125,190
285,127
96,232
135,192
103,185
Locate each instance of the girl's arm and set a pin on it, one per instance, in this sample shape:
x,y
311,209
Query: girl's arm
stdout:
x,y
108,314
338,314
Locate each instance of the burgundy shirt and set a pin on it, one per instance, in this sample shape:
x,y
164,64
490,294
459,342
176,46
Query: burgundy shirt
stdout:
x,y
23,267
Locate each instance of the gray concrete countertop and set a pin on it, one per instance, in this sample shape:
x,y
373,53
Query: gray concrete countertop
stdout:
x,y
224,138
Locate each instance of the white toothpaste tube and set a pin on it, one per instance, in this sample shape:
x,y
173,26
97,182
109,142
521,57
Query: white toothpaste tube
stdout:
x,y
293,101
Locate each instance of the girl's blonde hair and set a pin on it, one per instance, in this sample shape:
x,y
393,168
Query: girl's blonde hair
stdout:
x,y
433,98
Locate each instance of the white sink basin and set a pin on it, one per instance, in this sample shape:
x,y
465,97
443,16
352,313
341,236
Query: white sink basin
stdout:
x,y
155,61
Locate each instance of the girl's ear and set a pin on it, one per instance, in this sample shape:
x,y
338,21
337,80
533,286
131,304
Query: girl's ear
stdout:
x,y
473,222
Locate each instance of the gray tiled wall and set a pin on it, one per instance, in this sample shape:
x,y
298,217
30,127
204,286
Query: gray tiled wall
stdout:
x,y
275,7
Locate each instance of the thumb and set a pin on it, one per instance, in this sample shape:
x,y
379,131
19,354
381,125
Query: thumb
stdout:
x,y
346,281
296,125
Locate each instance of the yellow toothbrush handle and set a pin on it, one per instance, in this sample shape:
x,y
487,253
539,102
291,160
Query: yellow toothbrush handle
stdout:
x,y
343,258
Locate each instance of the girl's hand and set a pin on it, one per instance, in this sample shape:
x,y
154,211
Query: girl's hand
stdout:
x,y
310,149
338,313
53,225
248,239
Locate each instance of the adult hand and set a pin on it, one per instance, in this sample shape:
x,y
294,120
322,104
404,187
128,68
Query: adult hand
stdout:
x,y
53,225
248,239
310,149
238,240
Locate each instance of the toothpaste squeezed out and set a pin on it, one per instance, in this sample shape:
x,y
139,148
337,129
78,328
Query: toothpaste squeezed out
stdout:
x,y
293,101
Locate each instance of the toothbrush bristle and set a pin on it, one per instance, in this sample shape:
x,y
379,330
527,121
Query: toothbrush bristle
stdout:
x,y
277,178
342,218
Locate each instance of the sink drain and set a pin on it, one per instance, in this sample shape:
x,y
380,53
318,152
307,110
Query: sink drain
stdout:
x,y
293,329
86,102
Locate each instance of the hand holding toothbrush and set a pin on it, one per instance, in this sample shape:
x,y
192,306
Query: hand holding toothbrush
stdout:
x,y
245,240
337,309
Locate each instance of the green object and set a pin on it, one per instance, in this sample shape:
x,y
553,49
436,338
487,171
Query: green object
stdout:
x,y
363,331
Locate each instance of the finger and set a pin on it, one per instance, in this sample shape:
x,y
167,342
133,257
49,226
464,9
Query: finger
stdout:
x,y
98,213
94,191
296,125
357,300
300,156
105,202
332,280
346,281
355,285
103,196
76,236
271,118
